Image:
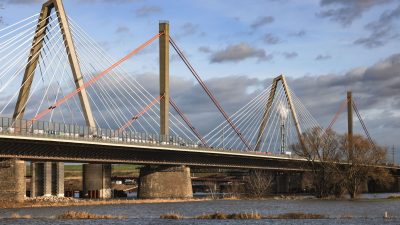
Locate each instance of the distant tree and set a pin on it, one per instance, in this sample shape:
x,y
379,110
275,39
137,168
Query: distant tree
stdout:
x,y
258,183
363,161
321,150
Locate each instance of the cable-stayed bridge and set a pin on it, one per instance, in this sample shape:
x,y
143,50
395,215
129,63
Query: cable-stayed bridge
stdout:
x,y
64,99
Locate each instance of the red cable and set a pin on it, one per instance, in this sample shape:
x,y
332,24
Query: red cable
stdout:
x,y
137,116
94,79
341,108
187,121
214,100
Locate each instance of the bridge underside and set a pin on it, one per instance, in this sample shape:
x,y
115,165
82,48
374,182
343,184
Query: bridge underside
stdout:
x,y
67,151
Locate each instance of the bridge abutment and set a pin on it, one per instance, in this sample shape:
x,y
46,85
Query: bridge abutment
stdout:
x,y
96,179
12,180
165,182
47,179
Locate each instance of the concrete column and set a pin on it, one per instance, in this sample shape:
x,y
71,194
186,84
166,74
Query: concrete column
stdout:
x,y
12,180
96,180
33,180
58,179
165,182
47,179
282,183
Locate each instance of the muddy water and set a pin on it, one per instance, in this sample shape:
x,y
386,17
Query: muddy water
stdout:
x,y
365,211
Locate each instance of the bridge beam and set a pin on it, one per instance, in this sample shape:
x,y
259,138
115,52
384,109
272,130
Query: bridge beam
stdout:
x,y
164,78
165,182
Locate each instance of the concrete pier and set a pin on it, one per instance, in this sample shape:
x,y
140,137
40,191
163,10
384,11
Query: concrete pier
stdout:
x,y
12,180
47,179
165,182
96,180
282,181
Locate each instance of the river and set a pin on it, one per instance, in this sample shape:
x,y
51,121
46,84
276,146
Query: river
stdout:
x,y
364,211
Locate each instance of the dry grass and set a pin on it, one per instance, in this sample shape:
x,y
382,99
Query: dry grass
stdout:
x,y
18,216
235,216
172,216
213,216
297,216
87,202
85,215
394,197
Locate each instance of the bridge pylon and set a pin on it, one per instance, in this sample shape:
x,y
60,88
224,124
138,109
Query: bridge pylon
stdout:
x,y
37,45
49,177
264,121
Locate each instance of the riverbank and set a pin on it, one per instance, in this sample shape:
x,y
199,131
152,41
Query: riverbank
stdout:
x,y
40,202
63,202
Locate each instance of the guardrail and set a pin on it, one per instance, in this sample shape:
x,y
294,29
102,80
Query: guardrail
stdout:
x,y
75,132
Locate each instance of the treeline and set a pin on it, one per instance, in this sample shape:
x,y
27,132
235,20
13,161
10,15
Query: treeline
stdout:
x,y
341,164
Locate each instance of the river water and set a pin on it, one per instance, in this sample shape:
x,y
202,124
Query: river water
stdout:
x,y
365,211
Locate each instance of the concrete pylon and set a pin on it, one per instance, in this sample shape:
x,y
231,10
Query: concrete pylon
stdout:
x,y
52,175
350,123
164,79
265,117
164,181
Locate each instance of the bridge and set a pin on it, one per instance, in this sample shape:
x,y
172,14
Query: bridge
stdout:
x,y
65,100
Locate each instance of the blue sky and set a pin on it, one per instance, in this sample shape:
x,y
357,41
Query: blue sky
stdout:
x,y
325,47
297,29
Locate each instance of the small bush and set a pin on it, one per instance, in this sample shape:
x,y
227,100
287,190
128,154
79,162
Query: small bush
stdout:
x,y
394,197
85,215
213,216
234,216
171,216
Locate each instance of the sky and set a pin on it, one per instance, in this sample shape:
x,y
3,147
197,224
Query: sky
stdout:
x,y
324,47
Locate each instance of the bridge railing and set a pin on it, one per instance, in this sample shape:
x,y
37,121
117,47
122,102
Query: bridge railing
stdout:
x,y
70,131
45,129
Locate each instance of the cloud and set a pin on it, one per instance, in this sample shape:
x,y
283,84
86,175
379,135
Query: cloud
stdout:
x,y
262,21
300,33
122,29
346,11
188,29
376,87
23,2
271,39
239,52
204,49
147,10
382,30
321,57
290,55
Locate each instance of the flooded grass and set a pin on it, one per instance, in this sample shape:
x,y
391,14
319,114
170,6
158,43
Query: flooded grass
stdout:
x,y
172,216
246,216
294,216
85,215
394,197
18,216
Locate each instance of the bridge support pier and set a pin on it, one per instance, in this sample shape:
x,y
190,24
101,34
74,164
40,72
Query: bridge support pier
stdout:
x,y
165,182
12,180
282,181
47,179
96,179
